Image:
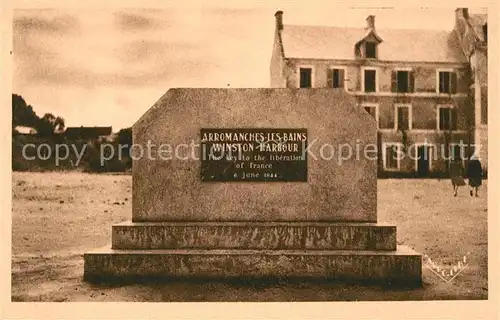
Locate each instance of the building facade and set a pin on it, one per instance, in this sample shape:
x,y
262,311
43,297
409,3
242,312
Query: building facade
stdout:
x,y
419,85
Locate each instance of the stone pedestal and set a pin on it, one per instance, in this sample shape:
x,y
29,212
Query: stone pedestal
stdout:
x,y
364,252
324,227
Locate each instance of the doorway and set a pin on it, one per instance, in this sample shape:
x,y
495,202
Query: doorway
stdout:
x,y
423,161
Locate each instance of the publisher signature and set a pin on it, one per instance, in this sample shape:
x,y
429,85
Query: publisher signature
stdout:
x,y
448,273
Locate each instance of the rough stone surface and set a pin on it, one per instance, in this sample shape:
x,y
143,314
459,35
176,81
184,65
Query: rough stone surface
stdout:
x,y
402,265
254,235
171,190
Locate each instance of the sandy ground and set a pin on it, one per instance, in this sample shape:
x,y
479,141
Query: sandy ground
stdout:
x,y
56,217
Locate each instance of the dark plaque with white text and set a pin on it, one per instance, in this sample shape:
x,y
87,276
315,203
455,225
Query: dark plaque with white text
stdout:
x,y
253,155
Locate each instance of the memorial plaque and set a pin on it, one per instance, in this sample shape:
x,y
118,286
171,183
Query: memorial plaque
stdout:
x,y
253,155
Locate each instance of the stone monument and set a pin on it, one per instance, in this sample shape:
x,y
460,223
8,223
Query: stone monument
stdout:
x,y
248,183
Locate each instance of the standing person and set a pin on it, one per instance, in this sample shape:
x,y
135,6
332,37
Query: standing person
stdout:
x,y
475,175
456,174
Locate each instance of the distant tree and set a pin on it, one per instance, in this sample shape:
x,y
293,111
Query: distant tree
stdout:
x,y
125,137
50,124
59,125
22,113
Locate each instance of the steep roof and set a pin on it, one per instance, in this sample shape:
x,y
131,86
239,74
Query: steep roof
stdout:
x,y
318,42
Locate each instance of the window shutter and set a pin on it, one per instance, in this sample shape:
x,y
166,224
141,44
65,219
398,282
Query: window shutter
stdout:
x,y
406,118
394,81
411,86
440,82
453,119
453,82
400,119
329,80
341,78
441,119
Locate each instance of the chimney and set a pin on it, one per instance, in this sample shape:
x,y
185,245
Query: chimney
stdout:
x,y
461,13
370,22
279,20
465,13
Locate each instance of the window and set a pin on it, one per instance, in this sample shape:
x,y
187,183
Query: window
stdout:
x,y
336,78
485,32
370,80
403,118
392,156
305,77
372,110
371,50
447,82
402,81
447,119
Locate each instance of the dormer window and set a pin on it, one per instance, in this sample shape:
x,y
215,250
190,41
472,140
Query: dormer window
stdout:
x,y
367,47
370,50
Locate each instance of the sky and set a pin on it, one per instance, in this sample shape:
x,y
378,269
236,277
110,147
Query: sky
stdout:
x,y
107,66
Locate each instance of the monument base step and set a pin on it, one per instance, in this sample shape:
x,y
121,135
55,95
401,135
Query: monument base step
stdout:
x,y
402,266
254,235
